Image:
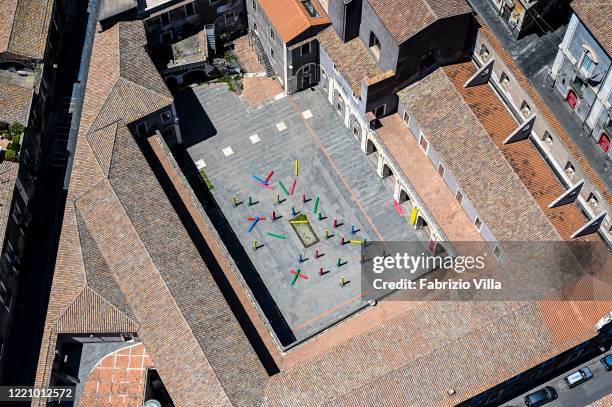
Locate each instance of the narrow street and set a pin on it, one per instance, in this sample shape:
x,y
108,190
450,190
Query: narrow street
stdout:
x,y
591,390
36,273
535,54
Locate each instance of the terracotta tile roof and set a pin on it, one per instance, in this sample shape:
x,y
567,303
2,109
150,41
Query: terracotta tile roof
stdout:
x,y
8,176
523,157
14,103
405,360
405,18
467,150
24,25
584,164
352,60
7,15
596,15
605,401
125,261
436,196
290,18
123,83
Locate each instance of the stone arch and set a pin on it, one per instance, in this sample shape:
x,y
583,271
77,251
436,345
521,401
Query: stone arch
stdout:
x,y
370,147
195,76
355,127
306,71
386,170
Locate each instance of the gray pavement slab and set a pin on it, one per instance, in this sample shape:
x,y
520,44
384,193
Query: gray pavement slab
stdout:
x,y
331,167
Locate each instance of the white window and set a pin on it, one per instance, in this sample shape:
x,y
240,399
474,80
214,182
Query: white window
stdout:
x,y
254,5
478,223
271,33
406,117
484,53
423,143
547,138
587,64
441,170
525,108
374,45
504,80
497,252
271,53
380,110
569,169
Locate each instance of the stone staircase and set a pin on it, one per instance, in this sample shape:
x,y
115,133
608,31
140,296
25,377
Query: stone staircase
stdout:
x,y
262,56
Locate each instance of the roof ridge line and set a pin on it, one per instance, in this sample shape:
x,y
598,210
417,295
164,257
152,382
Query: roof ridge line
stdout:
x,y
450,341
110,303
195,338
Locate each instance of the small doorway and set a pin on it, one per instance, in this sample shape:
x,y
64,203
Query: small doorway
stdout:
x,y
572,99
604,142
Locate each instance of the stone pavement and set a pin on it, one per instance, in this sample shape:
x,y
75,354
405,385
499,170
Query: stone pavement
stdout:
x,y
245,143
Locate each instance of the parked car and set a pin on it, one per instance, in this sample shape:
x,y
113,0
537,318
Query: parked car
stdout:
x,y
607,362
540,397
578,377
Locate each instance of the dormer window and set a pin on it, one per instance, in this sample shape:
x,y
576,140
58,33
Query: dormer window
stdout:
x,y
310,8
593,201
374,45
547,138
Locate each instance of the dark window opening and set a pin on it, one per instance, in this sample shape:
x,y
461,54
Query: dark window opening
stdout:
x,y
165,19
305,50
374,45
459,196
141,129
189,9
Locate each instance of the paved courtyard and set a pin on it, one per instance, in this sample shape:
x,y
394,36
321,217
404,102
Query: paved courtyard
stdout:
x,y
243,143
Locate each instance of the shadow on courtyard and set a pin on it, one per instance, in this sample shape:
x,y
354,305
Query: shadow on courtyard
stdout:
x,y
195,124
235,249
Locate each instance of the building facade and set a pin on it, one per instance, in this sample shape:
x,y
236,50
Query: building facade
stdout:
x,y
284,35
582,71
370,54
30,58
174,20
